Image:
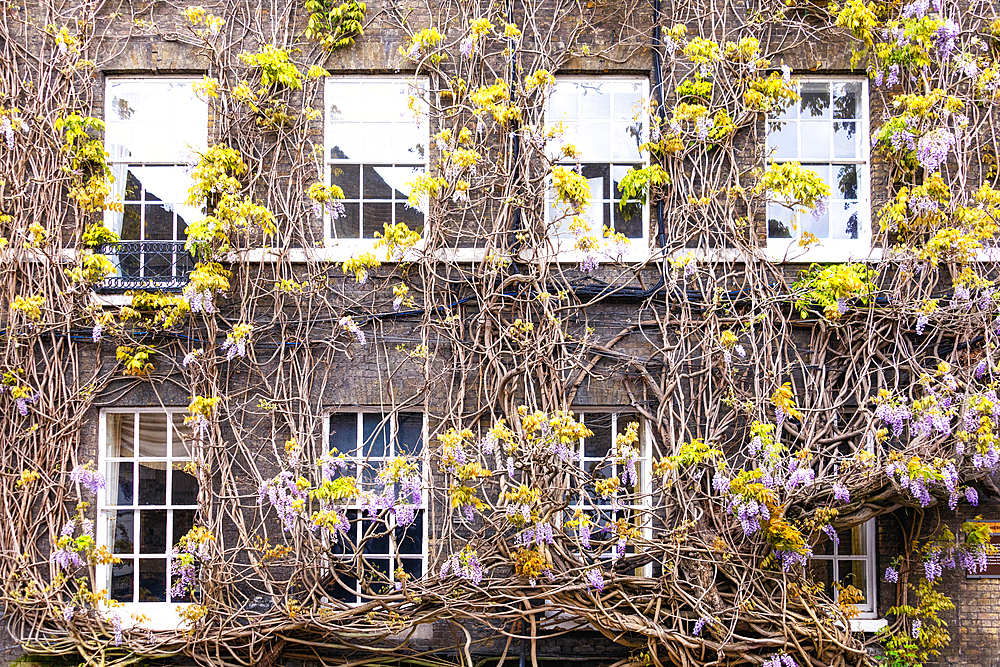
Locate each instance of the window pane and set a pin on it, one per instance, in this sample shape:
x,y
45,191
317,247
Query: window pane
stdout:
x,y
817,224
626,139
376,436
120,475
846,140
178,446
410,217
184,486
815,140
628,103
152,580
345,142
345,589
375,185
853,542
562,102
375,537
131,222
852,573
844,219
159,227
348,226
344,433
597,176
122,581
376,215
413,567
628,219
822,573
153,434
120,430
599,444
846,186
153,532
409,540
595,100
183,523
815,102
847,100
153,483
348,178
121,531
779,222
410,433
783,138
594,141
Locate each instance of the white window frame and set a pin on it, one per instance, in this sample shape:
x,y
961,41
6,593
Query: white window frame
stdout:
x,y
424,495
341,249
831,250
157,615
866,611
645,470
638,250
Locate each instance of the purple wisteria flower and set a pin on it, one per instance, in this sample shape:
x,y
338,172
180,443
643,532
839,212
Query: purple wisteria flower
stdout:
x,y
933,147
200,301
972,496
589,264
944,38
894,415
234,349
468,46
893,78
780,660
790,559
347,322
95,334
8,130
922,321
116,626
891,574
915,629
88,478
596,579
700,625
801,477
750,514
841,492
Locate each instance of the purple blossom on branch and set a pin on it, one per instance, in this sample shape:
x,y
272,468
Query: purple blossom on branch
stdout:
x,y
88,478
933,147
596,579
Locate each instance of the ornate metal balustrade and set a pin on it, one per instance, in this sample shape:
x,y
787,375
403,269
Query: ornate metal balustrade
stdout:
x,y
155,265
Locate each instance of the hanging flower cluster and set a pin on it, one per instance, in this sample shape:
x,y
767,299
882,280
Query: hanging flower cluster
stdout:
x,y
235,344
185,556
87,477
465,565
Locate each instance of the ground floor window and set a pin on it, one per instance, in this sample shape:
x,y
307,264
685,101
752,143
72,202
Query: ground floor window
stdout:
x,y
149,502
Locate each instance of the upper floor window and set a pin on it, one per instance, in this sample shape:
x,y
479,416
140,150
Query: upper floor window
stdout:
x,y
827,133
370,440
149,502
848,559
604,118
376,145
154,128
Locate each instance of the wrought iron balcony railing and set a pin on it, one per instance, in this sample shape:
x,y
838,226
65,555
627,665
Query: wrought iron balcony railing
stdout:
x,y
156,265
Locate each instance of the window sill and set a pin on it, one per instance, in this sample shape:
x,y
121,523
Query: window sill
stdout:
x,y
160,616
867,625
788,251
